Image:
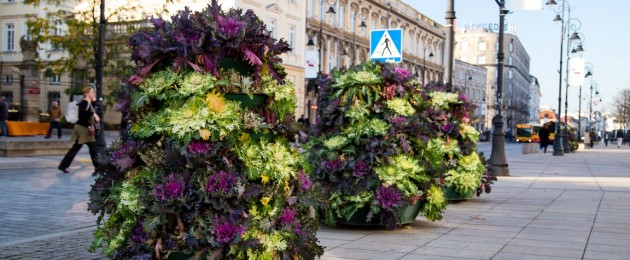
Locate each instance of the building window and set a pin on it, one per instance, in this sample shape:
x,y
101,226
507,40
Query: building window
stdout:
x,y
7,79
463,46
292,37
374,23
273,24
55,79
311,8
342,17
56,32
53,96
510,74
8,95
353,16
9,34
511,46
510,61
481,60
482,46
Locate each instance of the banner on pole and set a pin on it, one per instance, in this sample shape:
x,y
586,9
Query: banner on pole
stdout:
x,y
525,5
312,64
576,71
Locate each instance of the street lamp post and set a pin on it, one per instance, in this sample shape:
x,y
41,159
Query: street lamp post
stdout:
x,y
557,143
424,62
588,74
498,160
450,42
100,137
362,25
331,10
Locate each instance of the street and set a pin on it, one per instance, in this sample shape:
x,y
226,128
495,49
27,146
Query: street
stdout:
x,y
569,207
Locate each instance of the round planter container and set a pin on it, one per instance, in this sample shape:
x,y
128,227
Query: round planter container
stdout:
x,y
451,194
405,215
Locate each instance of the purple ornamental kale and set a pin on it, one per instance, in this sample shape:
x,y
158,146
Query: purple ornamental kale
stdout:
x,y
287,216
139,236
399,120
123,158
221,181
230,27
388,197
304,181
447,128
332,165
361,169
402,72
199,147
224,231
173,188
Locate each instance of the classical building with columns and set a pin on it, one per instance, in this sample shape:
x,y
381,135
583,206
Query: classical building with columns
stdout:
x,y
338,32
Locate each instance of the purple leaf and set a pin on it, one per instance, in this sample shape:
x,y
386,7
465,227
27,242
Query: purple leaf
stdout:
x,y
252,58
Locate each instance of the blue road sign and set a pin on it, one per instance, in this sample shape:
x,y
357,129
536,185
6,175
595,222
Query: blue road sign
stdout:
x,y
386,45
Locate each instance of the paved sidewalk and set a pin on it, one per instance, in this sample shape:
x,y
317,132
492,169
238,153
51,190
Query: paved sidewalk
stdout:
x,y
569,207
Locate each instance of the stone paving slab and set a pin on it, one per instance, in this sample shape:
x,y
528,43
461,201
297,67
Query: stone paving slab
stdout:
x,y
569,207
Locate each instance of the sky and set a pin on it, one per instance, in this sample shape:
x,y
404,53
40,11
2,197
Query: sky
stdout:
x,y
604,26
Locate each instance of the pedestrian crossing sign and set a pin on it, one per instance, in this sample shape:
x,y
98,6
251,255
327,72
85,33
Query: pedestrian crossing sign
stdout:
x,y
386,45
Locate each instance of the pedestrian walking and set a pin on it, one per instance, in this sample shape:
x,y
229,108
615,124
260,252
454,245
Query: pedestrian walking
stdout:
x,y
606,139
587,139
543,134
4,115
592,136
83,132
619,137
54,116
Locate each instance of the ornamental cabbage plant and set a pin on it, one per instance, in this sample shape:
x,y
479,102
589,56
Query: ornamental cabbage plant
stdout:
x,y
201,170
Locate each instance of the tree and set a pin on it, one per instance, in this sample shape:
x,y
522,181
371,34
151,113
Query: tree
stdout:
x,y
76,34
621,108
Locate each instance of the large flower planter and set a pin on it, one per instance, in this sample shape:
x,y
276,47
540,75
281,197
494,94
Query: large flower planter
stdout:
x,y
452,195
201,172
405,215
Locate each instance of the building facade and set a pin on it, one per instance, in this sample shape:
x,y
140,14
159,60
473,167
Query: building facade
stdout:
x,y
284,19
534,101
337,34
473,80
480,47
13,22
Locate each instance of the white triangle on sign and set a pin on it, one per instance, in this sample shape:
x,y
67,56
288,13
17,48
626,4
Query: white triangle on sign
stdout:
x,y
385,48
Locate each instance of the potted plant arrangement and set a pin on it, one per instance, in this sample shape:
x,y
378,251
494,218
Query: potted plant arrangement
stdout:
x,y
455,142
198,173
369,149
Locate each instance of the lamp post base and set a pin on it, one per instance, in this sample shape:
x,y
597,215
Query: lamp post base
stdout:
x,y
557,145
565,143
498,161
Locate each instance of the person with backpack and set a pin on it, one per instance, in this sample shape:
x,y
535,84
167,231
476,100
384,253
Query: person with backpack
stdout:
x,y
83,132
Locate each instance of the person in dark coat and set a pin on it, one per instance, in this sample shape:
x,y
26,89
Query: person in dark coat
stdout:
x,y
592,135
619,137
81,132
544,137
